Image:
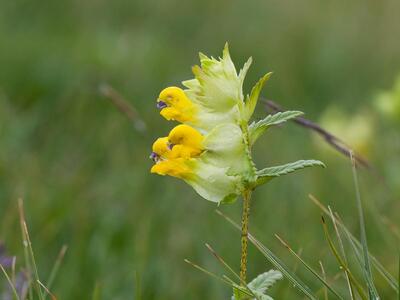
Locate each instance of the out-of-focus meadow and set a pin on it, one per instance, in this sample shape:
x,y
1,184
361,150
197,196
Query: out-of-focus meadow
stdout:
x,y
82,167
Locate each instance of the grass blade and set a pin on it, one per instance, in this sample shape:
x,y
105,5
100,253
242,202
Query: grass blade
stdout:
x,y
30,258
224,279
56,267
343,252
342,264
28,245
220,259
14,291
196,266
308,267
47,291
367,265
274,260
378,266
230,269
14,261
25,247
324,277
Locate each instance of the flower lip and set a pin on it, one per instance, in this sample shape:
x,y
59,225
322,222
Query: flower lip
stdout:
x,y
154,157
161,104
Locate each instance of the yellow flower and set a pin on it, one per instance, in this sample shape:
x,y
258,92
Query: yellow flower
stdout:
x,y
183,141
172,153
188,155
175,105
211,149
160,148
171,159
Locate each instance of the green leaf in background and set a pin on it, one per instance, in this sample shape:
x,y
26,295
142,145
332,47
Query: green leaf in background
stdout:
x,y
256,129
259,286
366,265
262,282
272,172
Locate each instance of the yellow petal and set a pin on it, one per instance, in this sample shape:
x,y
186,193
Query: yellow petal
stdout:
x,y
184,152
173,114
160,146
173,167
180,107
186,136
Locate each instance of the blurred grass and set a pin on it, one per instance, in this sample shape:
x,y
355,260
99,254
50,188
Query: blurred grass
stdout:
x,y
82,169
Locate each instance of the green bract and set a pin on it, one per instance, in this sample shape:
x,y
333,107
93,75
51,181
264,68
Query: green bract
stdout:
x,y
216,90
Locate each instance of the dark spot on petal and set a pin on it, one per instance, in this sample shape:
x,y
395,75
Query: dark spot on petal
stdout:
x,y
161,104
154,156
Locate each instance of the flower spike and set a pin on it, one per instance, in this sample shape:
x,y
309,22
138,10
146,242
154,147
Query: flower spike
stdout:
x,y
211,148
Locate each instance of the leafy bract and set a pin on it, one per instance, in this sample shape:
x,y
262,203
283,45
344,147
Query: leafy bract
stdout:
x,y
225,146
252,100
212,182
267,174
256,129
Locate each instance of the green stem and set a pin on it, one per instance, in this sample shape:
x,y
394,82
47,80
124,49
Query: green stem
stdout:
x,y
244,237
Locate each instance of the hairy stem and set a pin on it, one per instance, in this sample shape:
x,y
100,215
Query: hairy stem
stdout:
x,y
244,237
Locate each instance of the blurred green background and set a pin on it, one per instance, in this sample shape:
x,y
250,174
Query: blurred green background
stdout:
x,y
83,170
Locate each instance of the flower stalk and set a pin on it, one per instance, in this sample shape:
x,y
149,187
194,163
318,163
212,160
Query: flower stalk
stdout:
x,y
244,237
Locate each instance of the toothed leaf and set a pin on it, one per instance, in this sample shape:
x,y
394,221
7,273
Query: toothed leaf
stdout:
x,y
272,172
265,280
258,128
258,286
